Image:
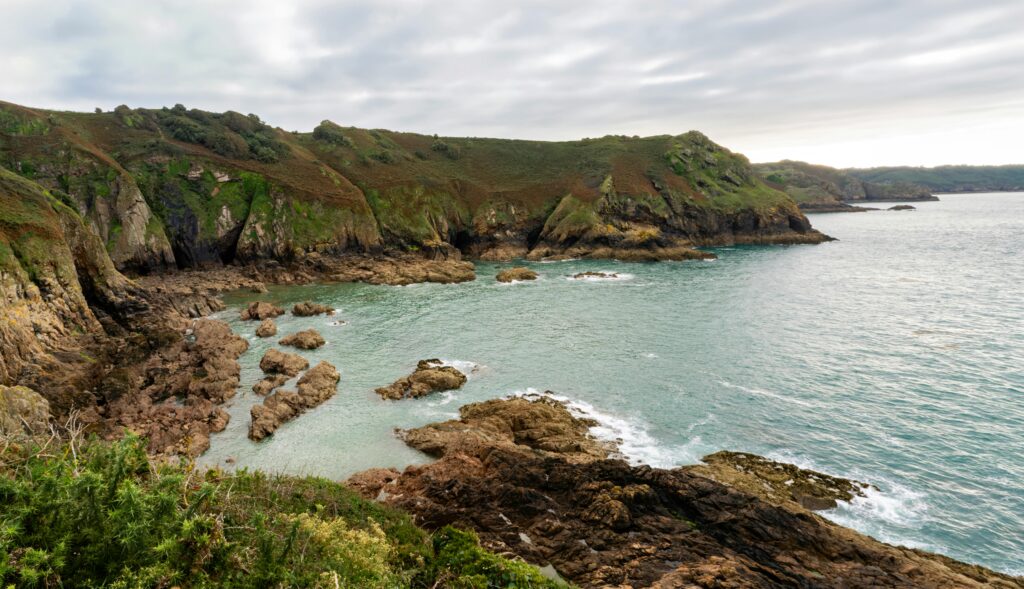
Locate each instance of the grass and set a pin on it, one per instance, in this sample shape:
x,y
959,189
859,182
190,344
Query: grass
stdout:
x,y
102,514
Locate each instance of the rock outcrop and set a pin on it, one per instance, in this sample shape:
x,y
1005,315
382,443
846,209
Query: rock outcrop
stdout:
x,y
267,328
902,208
822,189
260,310
316,386
309,309
278,362
430,376
518,273
530,481
23,413
307,339
267,385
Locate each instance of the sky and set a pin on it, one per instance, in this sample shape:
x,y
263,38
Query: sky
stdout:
x,y
837,82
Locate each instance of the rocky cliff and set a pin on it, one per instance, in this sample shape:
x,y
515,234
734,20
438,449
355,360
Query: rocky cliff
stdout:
x,y
825,189
187,188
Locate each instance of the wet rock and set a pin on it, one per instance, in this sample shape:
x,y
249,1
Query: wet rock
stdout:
x,y
902,208
316,386
278,362
506,469
23,412
260,310
309,309
590,274
431,376
268,384
308,339
518,273
267,328
778,482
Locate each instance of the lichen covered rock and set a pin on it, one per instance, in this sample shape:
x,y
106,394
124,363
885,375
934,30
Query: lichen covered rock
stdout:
x,y
23,412
260,310
278,362
518,273
430,376
267,328
309,309
307,339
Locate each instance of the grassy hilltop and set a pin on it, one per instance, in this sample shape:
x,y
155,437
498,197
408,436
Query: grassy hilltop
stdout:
x,y
174,186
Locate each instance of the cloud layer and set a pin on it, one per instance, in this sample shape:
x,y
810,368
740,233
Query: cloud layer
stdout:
x,y
843,82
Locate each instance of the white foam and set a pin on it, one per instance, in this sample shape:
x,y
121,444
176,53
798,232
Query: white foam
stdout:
x,y
650,355
559,261
634,441
769,394
444,398
467,367
611,276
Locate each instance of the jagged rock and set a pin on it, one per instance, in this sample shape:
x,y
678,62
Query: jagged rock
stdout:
x,y
309,309
778,482
316,386
504,472
430,376
278,362
23,412
518,273
267,328
260,310
268,384
308,339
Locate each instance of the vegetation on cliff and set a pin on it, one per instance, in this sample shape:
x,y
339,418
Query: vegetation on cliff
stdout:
x,y
178,186
949,178
816,187
102,514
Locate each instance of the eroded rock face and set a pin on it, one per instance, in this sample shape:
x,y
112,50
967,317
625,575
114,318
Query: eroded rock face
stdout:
x,y
182,390
260,310
308,339
267,328
309,309
525,475
23,412
278,362
430,376
518,273
777,482
316,386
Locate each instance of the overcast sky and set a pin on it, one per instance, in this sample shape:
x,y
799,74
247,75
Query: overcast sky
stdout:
x,y
840,82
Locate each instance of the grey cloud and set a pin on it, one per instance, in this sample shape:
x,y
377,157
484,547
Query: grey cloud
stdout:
x,y
758,76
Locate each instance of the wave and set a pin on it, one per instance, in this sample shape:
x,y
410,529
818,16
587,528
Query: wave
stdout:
x,y
634,441
769,394
610,277
467,367
559,261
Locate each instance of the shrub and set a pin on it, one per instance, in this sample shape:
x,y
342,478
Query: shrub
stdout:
x,y
450,151
328,132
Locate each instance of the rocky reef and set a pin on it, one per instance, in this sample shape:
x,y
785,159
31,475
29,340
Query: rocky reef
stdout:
x,y
430,376
318,384
528,478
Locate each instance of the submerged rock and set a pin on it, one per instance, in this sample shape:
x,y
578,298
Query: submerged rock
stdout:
x,y
23,412
528,478
778,482
316,386
268,384
591,274
309,309
431,376
518,273
278,362
308,339
260,310
267,328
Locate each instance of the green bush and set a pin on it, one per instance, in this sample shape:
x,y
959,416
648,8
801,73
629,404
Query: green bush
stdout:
x,y
450,151
328,132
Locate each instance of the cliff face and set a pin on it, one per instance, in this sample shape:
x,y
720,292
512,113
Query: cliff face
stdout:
x,y
186,188
821,188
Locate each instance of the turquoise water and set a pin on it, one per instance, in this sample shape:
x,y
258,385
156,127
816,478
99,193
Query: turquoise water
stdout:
x,y
895,356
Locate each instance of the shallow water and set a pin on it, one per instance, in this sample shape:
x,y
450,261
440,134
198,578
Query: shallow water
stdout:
x,y
895,356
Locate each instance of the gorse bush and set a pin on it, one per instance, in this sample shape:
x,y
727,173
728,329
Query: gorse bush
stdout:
x,y
103,515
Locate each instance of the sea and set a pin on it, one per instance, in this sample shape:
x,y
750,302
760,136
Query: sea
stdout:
x,y
893,355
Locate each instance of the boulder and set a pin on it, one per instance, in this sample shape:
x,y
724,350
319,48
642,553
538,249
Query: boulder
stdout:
x,y
260,310
308,339
316,386
517,273
23,412
309,309
278,362
430,376
267,328
268,384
